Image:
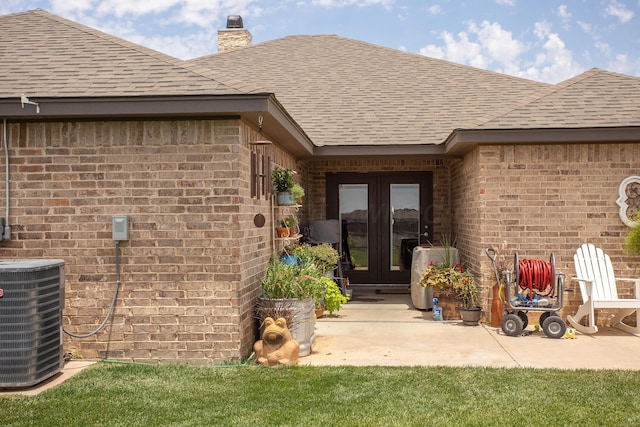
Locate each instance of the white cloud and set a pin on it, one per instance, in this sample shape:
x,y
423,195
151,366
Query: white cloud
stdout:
x,y
555,63
563,12
202,13
436,9
460,50
490,46
497,42
618,10
359,3
586,27
603,47
507,2
11,6
624,65
479,46
542,29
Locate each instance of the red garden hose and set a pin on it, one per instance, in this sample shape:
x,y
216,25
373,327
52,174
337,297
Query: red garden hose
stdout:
x,y
536,276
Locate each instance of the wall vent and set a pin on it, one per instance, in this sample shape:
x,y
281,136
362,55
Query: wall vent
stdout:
x,y
31,303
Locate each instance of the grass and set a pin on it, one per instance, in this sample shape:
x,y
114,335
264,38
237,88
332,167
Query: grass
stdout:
x,y
109,394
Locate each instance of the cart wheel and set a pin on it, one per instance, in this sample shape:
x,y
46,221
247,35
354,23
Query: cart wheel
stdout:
x,y
554,327
544,316
512,325
523,316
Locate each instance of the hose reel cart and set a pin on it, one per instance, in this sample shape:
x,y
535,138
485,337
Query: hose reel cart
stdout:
x,y
534,285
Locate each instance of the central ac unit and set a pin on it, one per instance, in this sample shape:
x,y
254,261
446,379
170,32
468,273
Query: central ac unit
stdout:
x,y
31,303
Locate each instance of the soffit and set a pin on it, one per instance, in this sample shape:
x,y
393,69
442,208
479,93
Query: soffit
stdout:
x,y
348,92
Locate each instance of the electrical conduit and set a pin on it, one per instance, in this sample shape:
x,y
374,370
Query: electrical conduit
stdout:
x,y
113,301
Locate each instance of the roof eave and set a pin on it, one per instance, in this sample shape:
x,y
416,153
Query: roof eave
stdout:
x,y
461,141
372,151
276,122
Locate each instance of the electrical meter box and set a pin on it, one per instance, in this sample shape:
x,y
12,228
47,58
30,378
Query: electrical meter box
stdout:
x,y
120,227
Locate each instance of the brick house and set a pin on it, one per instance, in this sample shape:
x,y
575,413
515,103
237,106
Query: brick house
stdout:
x,y
119,129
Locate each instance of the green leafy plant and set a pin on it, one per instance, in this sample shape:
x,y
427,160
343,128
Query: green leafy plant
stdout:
x,y
455,282
323,256
333,298
282,179
291,281
632,241
297,193
289,221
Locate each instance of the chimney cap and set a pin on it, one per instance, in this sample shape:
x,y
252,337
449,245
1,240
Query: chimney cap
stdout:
x,y
234,21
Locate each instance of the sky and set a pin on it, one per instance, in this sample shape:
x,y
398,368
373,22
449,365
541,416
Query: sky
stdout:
x,y
543,40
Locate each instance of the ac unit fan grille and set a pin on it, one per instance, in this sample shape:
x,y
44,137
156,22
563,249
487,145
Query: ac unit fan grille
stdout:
x,y
30,321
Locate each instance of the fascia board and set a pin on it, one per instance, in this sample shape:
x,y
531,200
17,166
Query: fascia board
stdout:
x,y
461,141
276,121
364,151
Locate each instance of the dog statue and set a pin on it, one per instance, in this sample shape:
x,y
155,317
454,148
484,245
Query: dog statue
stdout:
x,y
276,347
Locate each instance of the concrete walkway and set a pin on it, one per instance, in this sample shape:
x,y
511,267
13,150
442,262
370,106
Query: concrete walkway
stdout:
x,y
385,329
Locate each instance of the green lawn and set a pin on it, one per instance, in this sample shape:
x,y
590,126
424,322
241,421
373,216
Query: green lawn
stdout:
x,y
113,394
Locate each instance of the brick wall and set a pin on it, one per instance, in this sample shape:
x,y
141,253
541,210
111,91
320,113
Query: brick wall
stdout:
x,y
543,199
190,270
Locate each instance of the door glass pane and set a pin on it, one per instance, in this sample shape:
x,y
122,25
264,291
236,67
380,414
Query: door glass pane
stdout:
x,y
404,223
354,210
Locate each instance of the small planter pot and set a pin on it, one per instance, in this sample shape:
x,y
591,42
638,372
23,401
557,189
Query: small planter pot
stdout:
x,y
285,199
289,259
470,316
283,232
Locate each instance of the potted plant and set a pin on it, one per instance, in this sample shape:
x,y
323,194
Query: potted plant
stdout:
x,y
290,291
323,256
297,193
282,183
287,226
457,284
332,298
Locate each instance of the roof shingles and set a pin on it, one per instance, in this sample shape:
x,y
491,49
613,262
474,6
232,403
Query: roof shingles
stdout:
x,y
596,98
64,59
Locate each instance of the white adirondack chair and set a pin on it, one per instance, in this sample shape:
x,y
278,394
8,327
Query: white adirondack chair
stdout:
x,y
598,286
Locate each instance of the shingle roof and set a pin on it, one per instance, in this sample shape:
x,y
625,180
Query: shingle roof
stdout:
x,y
61,58
596,98
348,92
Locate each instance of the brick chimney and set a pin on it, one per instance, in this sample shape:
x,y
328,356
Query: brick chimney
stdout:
x,y
234,36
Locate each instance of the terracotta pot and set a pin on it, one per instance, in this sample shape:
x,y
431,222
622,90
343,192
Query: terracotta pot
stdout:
x,y
283,232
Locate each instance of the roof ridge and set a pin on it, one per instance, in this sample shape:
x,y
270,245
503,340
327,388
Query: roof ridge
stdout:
x,y
390,49
515,106
194,68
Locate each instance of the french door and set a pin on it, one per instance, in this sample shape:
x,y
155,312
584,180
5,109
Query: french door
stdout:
x,y
383,216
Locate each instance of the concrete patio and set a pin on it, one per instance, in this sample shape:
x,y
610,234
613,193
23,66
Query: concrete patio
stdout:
x,y
385,329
